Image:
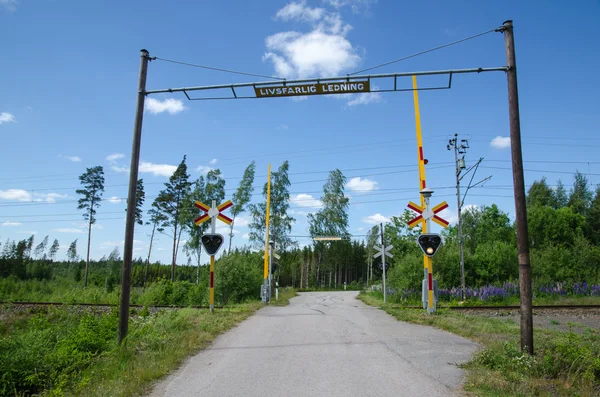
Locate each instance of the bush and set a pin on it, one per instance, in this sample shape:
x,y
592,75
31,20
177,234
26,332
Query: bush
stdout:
x,y
51,347
238,277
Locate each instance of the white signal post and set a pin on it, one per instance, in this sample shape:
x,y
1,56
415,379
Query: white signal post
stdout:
x,y
383,251
213,213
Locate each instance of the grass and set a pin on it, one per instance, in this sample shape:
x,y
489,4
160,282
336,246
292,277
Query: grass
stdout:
x,y
285,294
63,351
511,301
565,364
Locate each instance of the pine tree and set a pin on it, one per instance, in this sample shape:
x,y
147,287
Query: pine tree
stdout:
x,y
93,187
158,220
53,250
72,251
140,197
242,196
41,247
171,203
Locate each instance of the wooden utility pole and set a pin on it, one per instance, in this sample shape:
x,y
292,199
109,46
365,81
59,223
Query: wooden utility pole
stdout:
x,y
519,189
131,198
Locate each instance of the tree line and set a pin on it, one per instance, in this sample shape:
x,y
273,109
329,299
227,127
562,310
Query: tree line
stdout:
x,y
564,231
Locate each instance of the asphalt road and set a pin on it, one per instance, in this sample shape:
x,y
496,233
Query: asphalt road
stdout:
x,y
324,344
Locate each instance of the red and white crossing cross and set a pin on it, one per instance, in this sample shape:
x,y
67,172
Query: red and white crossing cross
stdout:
x,y
426,214
211,212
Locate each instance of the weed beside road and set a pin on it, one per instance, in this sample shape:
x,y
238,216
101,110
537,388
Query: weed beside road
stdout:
x,y
565,363
62,351
285,294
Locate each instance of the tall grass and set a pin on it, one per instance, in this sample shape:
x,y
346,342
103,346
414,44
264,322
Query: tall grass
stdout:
x,y
65,351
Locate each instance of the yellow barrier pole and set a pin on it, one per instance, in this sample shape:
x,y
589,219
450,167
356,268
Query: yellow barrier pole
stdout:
x,y
427,264
266,257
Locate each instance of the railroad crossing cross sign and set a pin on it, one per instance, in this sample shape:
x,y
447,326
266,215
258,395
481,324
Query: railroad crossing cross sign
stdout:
x,y
211,212
385,250
426,214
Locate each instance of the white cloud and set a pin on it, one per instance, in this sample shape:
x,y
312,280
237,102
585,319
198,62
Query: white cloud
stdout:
x,y
242,221
114,200
323,51
355,5
375,219
24,195
203,169
4,116
26,232
299,213
67,230
305,200
358,184
117,168
114,157
10,5
500,142
212,162
449,215
170,105
157,169
9,223
15,194
74,159
299,11
246,236
284,126
225,230
48,197
366,98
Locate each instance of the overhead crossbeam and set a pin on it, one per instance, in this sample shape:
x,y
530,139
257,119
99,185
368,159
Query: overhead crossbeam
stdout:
x,y
341,79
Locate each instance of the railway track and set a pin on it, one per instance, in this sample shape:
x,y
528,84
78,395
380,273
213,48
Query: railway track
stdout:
x,y
100,305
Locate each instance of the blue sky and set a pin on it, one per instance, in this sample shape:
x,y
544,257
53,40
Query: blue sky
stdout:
x,y
68,89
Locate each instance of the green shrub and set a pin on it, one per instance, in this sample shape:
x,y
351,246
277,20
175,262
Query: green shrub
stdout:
x,y
52,347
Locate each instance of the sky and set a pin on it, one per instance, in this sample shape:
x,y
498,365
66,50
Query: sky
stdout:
x,y
69,75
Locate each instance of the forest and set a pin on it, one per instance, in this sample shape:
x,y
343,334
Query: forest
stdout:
x,y
564,231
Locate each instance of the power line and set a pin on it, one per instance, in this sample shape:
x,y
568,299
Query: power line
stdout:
x,y
546,171
217,69
69,220
425,52
237,178
45,215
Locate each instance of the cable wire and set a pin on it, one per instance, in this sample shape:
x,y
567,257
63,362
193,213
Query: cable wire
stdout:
x,y
425,52
218,69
